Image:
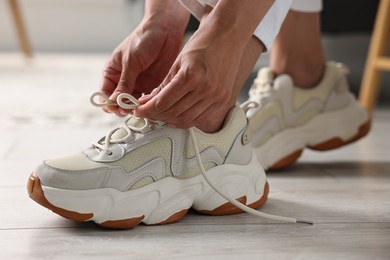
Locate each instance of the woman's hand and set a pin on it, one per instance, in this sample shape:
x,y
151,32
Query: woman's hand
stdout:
x,y
204,82
198,90
141,62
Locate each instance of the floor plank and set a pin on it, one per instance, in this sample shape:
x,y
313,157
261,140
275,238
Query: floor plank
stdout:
x,y
216,241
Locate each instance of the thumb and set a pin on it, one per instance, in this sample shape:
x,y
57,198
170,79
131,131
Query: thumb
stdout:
x,y
126,82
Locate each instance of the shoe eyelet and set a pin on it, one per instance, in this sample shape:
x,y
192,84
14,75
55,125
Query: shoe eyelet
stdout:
x,y
109,153
245,138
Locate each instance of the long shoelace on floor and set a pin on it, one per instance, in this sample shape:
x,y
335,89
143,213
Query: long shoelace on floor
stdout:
x,y
127,101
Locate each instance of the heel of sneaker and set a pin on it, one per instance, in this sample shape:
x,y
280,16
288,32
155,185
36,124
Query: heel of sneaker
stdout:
x,y
245,183
337,142
229,209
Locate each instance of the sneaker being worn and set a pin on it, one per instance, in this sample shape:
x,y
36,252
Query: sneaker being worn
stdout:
x,y
147,172
288,118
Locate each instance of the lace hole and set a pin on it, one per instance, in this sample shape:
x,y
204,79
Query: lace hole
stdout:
x,y
109,153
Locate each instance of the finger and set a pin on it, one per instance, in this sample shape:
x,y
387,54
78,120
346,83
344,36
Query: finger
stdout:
x,y
169,95
168,78
145,98
207,114
129,73
188,118
209,120
121,113
175,113
110,77
126,81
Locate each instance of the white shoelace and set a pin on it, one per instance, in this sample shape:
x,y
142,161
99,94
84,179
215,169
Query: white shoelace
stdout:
x,y
127,101
261,90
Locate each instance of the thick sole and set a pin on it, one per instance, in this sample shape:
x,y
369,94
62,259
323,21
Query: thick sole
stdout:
x,y
324,132
163,202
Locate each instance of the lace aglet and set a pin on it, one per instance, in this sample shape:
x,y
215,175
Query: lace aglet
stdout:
x,y
302,221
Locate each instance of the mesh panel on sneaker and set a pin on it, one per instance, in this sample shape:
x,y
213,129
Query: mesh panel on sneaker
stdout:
x,y
233,125
136,158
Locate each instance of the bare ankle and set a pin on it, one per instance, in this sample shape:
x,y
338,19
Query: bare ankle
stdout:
x,y
298,50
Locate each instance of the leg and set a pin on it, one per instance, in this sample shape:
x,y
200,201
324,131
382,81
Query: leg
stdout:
x,y
298,51
249,58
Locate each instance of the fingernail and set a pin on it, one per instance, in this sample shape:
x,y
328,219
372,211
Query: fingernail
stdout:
x,y
135,112
113,96
122,113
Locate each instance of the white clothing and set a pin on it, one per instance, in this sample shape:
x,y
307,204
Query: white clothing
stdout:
x,y
307,6
269,27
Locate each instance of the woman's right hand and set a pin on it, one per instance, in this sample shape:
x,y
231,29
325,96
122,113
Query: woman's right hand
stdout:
x,y
141,62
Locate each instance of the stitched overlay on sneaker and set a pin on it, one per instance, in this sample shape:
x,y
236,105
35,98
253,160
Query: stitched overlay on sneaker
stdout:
x,y
147,172
288,119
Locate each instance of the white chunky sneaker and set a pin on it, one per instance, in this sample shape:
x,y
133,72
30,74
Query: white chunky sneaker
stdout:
x,y
147,172
288,118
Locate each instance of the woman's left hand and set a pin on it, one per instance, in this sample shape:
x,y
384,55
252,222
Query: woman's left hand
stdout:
x,y
198,90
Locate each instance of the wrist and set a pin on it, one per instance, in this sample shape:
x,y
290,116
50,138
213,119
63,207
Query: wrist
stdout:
x,y
168,15
236,19
221,32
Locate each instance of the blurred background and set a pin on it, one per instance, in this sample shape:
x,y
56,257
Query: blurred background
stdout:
x,y
72,39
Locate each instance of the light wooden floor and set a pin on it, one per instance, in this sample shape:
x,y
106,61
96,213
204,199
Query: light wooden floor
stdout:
x,y
345,192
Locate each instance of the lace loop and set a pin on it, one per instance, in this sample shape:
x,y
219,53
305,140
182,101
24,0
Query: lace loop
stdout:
x,y
125,101
103,100
249,104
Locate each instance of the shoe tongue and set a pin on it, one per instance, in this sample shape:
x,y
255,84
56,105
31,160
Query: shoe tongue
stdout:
x,y
133,121
265,76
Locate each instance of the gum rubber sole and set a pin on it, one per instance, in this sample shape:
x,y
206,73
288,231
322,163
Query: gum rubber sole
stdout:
x,y
229,209
338,142
36,193
287,161
327,145
122,224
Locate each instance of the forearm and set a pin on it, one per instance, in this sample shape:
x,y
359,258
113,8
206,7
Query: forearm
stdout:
x,y
237,19
169,14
